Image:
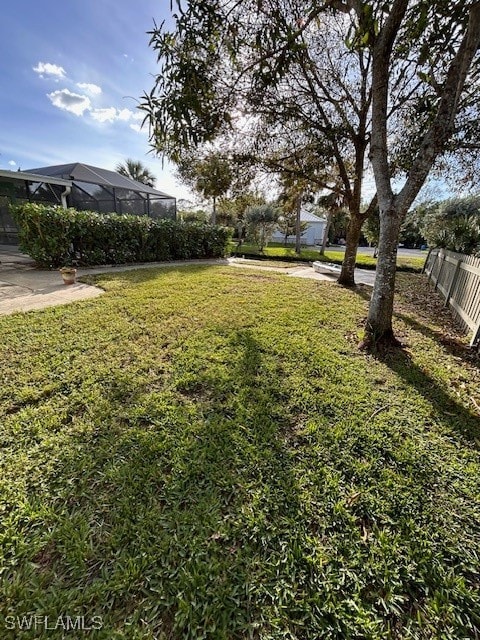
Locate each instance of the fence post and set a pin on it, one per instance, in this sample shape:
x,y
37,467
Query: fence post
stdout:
x,y
454,281
441,269
475,341
424,268
430,274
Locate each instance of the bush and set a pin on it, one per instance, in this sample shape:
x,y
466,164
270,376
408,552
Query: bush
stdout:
x,y
53,236
455,224
261,222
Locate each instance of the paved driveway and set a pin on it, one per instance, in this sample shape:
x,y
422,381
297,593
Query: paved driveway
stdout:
x,y
362,276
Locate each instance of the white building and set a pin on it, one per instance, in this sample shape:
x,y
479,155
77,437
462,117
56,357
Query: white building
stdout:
x,y
313,233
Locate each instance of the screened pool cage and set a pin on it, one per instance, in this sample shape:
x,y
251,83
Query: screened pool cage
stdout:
x,y
80,186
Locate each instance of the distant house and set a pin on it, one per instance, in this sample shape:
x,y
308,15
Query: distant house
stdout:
x,y
313,233
81,186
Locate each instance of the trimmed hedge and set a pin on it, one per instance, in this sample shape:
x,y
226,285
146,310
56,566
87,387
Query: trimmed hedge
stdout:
x,y
54,236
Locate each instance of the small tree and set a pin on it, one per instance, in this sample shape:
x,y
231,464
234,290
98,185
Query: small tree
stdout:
x,y
335,204
261,222
231,210
211,176
289,221
135,170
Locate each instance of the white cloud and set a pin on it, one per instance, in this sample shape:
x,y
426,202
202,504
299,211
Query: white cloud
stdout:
x,y
104,115
68,101
79,104
111,114
49,70
94,89
125,115
12,163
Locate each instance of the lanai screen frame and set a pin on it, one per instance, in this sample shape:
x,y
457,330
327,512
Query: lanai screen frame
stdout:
x,y
107,191
15,186
143,198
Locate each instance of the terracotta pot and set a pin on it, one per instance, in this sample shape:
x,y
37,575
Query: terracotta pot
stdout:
x,y
69,275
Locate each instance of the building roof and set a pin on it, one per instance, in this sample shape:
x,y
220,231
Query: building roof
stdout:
x,y
307,216
33,177
95,175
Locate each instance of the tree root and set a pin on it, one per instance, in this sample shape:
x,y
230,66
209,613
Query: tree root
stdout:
x,y
380,344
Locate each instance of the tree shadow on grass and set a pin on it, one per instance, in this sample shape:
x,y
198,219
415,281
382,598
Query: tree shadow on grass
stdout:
x,y
177,512
451,342
446,333
160,513
456,418
421,307
364,291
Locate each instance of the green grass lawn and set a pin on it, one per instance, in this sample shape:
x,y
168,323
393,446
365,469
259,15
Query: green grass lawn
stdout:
x,y
278,251
204,453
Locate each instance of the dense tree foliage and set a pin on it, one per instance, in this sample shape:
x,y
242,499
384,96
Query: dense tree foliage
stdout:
x,y
231,209
412,235
454,224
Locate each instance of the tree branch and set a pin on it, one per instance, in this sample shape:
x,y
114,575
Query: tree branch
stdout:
x,y
382,53
441,128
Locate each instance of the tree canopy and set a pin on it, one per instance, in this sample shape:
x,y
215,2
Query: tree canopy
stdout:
x,y
261,222
394,83
209,175
309,122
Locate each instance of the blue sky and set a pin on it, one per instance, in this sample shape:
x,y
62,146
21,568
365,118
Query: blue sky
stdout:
x,y
71,75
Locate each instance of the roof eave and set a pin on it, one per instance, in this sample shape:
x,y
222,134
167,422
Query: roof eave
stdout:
x,y
33,177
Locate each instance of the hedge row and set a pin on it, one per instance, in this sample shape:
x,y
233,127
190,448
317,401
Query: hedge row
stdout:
x,y
54,237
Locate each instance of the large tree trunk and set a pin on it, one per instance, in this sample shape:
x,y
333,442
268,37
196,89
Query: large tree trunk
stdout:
x,y
354,229
379,330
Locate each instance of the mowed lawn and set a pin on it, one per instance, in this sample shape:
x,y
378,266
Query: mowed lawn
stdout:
x,y
280,252
204,453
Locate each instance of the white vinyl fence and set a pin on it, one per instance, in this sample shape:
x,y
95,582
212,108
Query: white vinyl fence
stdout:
x,y
457,277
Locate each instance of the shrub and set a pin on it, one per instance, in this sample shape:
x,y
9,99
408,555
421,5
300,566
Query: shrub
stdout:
x,y
261,222
455,224
53,236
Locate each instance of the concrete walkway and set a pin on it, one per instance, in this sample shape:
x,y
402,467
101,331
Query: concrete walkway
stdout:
x,y
24,288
